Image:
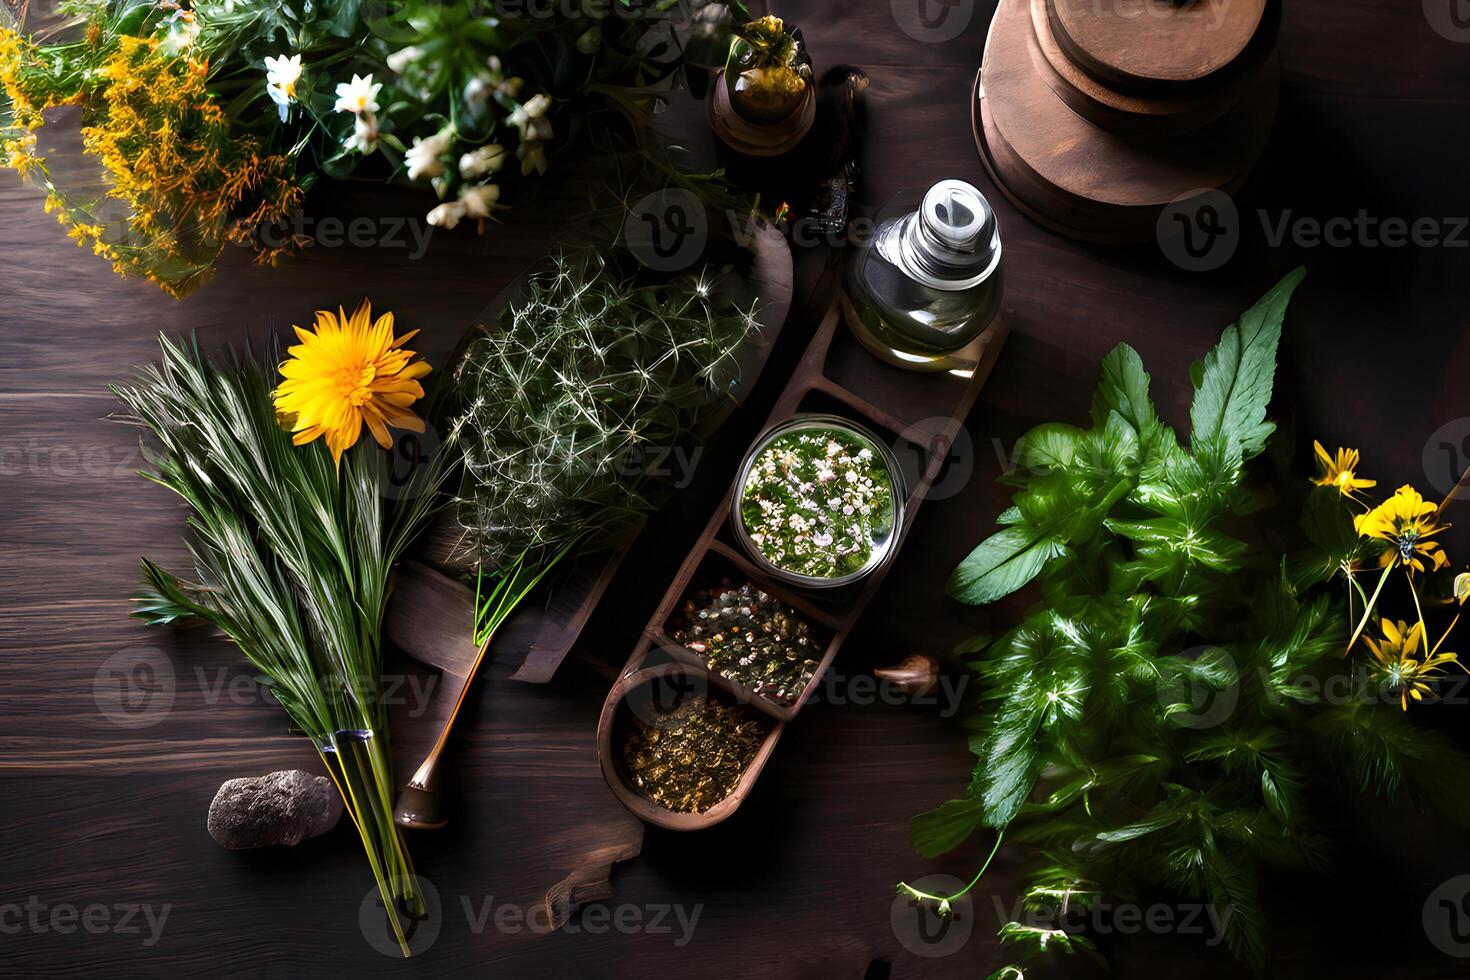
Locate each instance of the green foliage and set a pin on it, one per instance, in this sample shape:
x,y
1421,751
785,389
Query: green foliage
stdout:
x,y
1148,720
945,827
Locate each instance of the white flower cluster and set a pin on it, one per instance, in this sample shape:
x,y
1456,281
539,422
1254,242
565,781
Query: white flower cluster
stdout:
x,y
814,502
432,158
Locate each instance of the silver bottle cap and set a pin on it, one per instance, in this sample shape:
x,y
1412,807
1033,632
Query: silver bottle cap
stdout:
x,y
953,241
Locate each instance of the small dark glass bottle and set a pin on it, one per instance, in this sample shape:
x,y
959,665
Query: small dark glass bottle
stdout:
x,y
923,289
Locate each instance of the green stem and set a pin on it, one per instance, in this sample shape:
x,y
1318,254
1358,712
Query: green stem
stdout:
x,y
944,900
1353,585
365,796
1454,492
1368,610
1453,623
512,587
1423,629
383,780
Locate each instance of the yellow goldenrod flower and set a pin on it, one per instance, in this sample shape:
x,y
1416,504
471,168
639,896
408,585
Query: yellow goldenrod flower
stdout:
x,y
1339,471
1408,524
1397,664
349,372
187,183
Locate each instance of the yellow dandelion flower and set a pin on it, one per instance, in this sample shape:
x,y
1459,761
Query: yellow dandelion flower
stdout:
x,y
1397,664
1339,471
349,372
1408,524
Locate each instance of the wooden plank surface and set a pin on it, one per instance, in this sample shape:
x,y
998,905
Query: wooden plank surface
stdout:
x,y
1374,116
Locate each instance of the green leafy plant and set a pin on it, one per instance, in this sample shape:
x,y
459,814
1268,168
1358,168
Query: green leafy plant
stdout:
x,y
1149,723
291,561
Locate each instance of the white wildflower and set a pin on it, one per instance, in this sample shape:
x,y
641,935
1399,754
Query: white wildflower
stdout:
x,y
423,157
364,138
282,76
479,201
400,60
532,157
533,108
359,95
481,161
447,215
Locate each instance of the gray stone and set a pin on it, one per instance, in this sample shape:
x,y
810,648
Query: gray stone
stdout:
x,y
278,808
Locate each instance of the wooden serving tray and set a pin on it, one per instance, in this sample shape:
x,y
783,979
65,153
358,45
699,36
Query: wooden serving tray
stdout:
x,y
921,414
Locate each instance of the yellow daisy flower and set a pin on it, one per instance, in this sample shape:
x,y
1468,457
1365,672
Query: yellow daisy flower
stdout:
x,y
349,372
1397,664
1339,471
1408,524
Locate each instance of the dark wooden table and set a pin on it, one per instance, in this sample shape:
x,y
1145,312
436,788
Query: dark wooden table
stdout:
x,y
99,818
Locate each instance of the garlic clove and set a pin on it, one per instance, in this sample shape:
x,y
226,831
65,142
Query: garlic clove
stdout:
x,y
916,675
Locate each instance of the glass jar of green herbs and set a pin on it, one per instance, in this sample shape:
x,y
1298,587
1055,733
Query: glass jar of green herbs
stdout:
x,y
819,501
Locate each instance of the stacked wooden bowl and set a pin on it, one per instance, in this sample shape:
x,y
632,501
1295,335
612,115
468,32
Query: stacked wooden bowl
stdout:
x,y
1094,115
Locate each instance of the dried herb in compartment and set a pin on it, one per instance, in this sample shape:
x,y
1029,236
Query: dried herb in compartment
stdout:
x,y
752,638
692,756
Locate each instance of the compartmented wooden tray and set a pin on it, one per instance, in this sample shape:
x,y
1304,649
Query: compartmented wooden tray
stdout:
x,y
919,415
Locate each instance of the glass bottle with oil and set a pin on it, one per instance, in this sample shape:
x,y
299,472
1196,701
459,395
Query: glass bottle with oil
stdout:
x,y
922,290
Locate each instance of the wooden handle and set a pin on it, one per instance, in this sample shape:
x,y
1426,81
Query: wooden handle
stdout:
x,y
418,806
